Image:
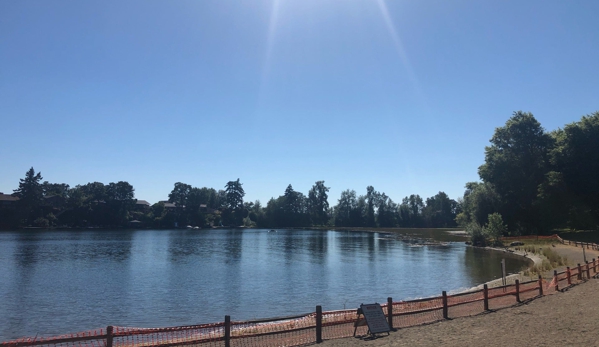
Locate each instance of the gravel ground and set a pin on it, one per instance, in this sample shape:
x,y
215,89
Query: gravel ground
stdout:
x,y
568,318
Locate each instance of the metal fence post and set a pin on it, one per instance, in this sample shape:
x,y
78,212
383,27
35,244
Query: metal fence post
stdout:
x,y
109,335
517,290
227,331
390,312
555,279
579,272
445,308
540,285
318,324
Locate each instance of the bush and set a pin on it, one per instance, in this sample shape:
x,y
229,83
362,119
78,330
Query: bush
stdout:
x,y
495,229
477,235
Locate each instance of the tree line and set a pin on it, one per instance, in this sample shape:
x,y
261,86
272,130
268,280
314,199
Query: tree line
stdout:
x,y
45,204
532,182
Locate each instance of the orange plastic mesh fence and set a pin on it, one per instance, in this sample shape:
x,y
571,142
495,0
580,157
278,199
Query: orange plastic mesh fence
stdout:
x,y
416,312
337,324
529,290
562,279
91,338
289,331
205,334
465,304
500,297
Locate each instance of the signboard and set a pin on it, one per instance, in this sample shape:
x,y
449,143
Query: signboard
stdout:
x,y
375,318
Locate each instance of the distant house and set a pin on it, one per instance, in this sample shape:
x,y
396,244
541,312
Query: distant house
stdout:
x,y
169,205
142,205
7,201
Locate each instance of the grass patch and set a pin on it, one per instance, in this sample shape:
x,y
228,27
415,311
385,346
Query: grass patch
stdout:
x,y
551,259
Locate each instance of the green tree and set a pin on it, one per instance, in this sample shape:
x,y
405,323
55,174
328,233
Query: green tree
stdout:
x,y
572,186
495,229
440,211
179,196
411,211
295,208
515,165
371,197
234,203
234,195
346,204
480,200
30,194
120,200
318,202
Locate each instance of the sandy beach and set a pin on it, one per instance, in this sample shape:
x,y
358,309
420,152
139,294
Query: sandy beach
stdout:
x,y
566,318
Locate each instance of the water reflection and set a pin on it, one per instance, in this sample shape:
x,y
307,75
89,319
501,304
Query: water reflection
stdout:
x,y
55,282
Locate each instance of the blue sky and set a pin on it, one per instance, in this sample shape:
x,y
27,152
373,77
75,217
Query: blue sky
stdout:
x,y
401,95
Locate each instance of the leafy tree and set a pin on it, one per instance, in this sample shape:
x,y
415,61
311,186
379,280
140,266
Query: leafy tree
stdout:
x,y
480,200
387,212
234,202
234,195
477,234
120,199
495,229
371,197
295,208
179,196
440,211
573,183
55,189
346,204
30,194
516,164
318,202
411,211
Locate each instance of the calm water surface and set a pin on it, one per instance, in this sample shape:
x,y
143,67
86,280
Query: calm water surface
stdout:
x,y
56,282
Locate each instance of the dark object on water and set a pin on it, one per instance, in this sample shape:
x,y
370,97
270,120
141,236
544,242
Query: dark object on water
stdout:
x,y
517,243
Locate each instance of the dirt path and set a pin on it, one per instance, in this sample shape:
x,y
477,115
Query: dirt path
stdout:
x,y
563,319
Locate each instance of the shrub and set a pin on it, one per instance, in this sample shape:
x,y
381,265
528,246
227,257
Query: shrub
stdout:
x,y
495,229
477,235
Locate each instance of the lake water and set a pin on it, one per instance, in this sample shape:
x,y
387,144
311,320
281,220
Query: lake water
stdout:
x,y
56,282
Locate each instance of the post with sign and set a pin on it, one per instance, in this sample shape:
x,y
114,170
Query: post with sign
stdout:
x,y
375,319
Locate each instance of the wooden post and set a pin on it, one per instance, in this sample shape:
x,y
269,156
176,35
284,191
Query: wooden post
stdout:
x,y
227,331
540,285
555,279
486,296
569,274
109,335
390,312
588,271
318,324
594,269
445,313
579,272
517,291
